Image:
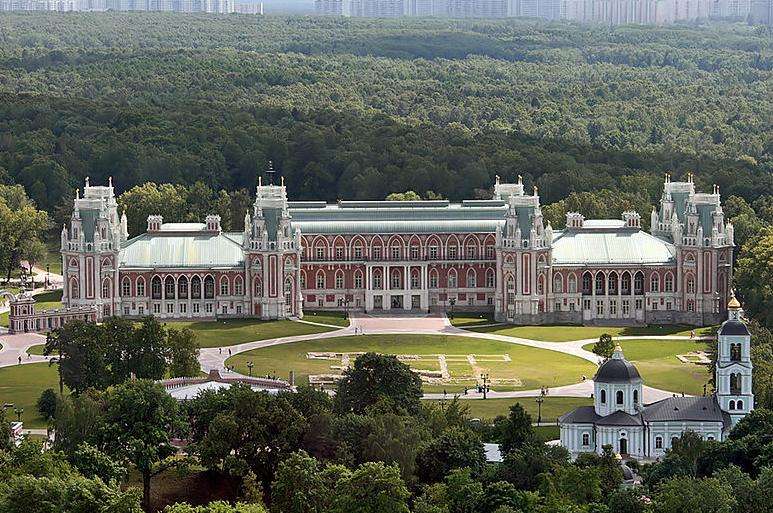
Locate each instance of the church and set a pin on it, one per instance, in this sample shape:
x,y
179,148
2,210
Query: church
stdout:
x,y
619,417
497,255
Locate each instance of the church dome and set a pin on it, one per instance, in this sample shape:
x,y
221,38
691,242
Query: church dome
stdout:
x,y
617,370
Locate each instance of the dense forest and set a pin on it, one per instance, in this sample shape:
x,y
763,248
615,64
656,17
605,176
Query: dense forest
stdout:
x,y
362,108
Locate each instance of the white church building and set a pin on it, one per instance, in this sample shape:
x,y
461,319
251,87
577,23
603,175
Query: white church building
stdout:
x,y
645,431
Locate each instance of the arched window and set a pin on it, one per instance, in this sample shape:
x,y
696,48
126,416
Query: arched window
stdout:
x,y
638,283
572,284
619,397
625,284
452,278
600,288
126,287
655,282
358,279
635,397
415,279
289,291
303,279
258,287
396,279
587,284
339,281
141,287
209,287
541,284
169,288
735,384
433,279
585,439
731,405
182,287
225,287
490,278
612,283
452,249
690,284
238,286
195,287
658,442
107,291
558,284
471,279
603,396
320,280
377,280
669,282
155,287
739,405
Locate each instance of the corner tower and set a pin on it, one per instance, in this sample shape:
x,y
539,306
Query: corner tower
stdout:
x,y
733,372
90,250
272,255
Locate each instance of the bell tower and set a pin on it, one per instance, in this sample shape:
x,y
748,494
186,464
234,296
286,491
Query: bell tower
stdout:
x,y
734,365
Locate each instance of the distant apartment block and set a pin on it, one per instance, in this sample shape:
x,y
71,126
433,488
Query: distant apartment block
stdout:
x,y
612,12
208,6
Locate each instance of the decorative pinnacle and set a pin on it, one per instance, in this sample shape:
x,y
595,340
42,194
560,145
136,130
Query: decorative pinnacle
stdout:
x,y
520,180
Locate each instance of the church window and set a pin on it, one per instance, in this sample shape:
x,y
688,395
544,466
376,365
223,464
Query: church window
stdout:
x,y
599,307
225,287
195,287
735,384
600,284
731,405
586,284
585,439
433,252
395,252
612,307
126,287
106,292
155,287
358,280
209,288
690,285
414,281
674,440
303,280
654,283
169,287
638,283
358,252
452,252
414,252
433,279
471,279
259,288
182,287
572,284
377,280
238,286
489,252
586,304
658,442
320,280
669,282
396,278
557,284
377,253
140,286
735,352
471,252
320,253
603,396
339,280
739,405
619,397
625,284
612,283
635,397
339,253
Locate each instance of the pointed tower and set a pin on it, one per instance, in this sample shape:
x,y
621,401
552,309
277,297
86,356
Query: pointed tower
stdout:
x,y
90,250
273,248
733,372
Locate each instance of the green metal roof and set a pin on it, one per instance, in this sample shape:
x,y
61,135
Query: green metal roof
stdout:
x,y
183,250
383,217
610,245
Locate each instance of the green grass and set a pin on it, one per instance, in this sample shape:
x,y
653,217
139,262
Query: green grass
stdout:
x,y
22,386
569,333
552,407
468,320
43,301
548,433
657,363
239,331
534,367
325,317
53,258
36,349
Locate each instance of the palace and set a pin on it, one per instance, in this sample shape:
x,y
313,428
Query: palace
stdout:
x,y
495,255
619,418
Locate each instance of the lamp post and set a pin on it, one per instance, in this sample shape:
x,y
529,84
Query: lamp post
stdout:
x,y
485,379
48,275
539,401
249,367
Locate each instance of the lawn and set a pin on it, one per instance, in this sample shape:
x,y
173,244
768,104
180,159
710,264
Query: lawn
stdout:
x,y
43,301
533,367
552,407
237,331
569,333
659,367
53,258
36,350
325,317
469,320
22,385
